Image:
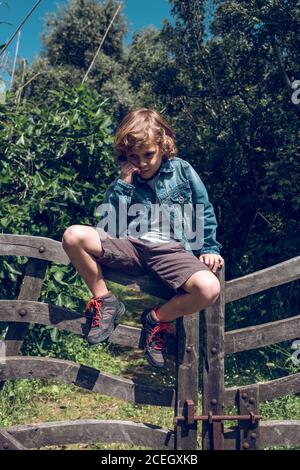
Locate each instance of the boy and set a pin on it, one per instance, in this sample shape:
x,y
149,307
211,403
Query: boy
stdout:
x,y
151,176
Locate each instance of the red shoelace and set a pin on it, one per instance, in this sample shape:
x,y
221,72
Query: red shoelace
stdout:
x,y
96,304
160,328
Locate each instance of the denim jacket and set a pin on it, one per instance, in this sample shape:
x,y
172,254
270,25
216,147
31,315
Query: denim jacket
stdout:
x,y
177,183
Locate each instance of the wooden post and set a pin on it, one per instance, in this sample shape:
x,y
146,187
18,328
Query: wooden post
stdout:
x,y
30,290
213,369
187,379
248,432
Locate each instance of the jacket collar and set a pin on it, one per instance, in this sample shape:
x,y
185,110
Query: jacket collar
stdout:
x,y
166,166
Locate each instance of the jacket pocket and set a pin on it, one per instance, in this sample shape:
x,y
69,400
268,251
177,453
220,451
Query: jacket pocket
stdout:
x,y
182,194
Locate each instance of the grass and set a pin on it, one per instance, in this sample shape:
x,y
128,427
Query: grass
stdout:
x,y
37,401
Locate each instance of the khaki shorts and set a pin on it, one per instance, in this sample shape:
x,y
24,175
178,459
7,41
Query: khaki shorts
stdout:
x,y
169,261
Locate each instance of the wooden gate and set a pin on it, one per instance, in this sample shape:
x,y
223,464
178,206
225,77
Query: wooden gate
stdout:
x,y
250,432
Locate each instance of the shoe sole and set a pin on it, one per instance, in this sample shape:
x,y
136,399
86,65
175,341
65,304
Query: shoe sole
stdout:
x,y
152,362
107,334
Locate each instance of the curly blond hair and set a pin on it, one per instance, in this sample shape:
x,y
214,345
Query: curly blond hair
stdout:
x,y
144,126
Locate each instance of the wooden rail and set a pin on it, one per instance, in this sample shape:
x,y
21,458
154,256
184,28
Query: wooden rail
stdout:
x,y
86,431
85,377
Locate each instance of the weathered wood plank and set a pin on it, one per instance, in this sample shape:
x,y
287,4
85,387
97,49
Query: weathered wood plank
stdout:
x,y
26,311
213,369
32,283
276,275
289,385
85,377
30,289
187,378
33,247
258,336
8,442
271,433
248,431
276,432
91,431
51,250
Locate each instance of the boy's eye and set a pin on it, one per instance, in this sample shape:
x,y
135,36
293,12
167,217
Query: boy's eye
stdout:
x,y
147,155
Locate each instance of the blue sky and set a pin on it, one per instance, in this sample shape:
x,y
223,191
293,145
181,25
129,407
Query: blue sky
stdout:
x,y
140,14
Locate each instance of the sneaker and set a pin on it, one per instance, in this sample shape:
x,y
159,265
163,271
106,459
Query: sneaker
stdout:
x,y
102,316
153,334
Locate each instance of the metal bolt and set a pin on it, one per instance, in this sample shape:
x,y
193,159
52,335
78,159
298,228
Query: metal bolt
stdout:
x,y
188,349
244,395
253,435
213,350
23,312
42,249
252,400
214,401
246,445
5,446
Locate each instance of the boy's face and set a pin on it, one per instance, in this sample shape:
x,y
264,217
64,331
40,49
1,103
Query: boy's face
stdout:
x,y
146,158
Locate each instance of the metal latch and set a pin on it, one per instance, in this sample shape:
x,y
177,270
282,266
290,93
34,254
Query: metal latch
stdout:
x,y
190,416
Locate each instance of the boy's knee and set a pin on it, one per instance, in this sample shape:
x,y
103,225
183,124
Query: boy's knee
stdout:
x,y
208,289
72,236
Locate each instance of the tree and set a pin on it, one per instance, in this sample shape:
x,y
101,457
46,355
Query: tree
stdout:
x,y
73,35
54,163
75,31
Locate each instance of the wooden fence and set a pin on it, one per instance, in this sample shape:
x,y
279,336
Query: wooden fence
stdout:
x,y
250,431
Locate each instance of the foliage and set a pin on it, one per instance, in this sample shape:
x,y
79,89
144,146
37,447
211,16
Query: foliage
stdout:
x,y
242,127
71,39
54,165
77,29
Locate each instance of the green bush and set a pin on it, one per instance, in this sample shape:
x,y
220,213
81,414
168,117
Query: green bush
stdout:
x,y
54,167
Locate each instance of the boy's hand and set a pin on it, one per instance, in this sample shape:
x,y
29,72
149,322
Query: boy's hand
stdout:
x,y
127,172
212,260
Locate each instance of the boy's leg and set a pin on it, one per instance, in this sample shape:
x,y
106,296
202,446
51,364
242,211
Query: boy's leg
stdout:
x,y
104,310
87,248
196,286
82,243
202,290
